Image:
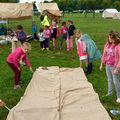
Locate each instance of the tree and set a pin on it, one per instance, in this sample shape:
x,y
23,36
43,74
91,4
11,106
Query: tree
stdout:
x,y
116,4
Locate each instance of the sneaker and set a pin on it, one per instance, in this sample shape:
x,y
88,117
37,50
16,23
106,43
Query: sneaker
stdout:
x,y
42,49
118,100
47,49
16,87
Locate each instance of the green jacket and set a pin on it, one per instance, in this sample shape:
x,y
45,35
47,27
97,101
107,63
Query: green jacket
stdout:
x,y
45,21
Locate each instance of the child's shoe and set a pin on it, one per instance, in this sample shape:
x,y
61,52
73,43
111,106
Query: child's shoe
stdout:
x,y
118,100
16,87
42,49
47,49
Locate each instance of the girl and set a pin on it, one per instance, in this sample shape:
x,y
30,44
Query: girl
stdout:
x,y
13,61
53,33
81,49
41,39
64,32
69,41
46,34
111,58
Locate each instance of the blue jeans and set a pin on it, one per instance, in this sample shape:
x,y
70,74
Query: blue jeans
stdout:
x,y
112,80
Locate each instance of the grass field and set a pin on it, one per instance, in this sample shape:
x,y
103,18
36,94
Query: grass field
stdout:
x,y
96,27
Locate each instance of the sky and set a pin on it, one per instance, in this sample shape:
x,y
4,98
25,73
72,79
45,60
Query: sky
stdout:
x,y
37,1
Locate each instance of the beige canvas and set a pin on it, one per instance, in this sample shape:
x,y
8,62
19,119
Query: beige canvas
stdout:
x,y
59,94
51,8
15,10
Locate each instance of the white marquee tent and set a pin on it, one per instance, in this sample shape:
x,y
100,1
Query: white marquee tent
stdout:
x,y
109,13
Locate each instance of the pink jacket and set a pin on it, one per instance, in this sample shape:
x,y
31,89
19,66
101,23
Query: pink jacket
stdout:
x,y
108,56
16,56
81,48
64,30
117,56
115,60
46,33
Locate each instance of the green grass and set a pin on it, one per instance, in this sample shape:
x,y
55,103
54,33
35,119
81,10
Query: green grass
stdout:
x,y
97,28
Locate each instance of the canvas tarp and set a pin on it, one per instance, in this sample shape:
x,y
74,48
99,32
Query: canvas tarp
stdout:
x,y
59,94
15,10
51,9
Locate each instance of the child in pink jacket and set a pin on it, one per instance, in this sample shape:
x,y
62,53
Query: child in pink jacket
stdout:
x,y
111,58
13,59
81,49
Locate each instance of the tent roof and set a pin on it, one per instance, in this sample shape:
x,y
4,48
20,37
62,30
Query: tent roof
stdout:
x,y
111,10
15,10
52,8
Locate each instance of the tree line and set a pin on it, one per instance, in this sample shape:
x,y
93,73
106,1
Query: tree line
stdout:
x,y
71,5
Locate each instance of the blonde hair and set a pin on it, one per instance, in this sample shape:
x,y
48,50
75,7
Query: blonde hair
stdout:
x,y
78,31
28,45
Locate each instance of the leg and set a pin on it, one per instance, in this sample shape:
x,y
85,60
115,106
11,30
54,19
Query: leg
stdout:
x,y
110,79
17,73
61,42
116,83
71,42
80,63
54,42
47,43
67,43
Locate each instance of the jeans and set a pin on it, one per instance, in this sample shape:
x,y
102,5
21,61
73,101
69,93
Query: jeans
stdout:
x,y
112,80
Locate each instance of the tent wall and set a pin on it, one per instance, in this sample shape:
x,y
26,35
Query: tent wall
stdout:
x,y
15,10
51,9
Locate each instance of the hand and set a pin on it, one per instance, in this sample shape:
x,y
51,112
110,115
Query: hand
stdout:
x,y
19,68
31,69
115,72
1,103
101,67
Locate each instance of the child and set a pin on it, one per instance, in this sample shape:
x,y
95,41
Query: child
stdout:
x,y
81,48
53,33
111,58
46,34
1,103
93,52
20,34
41,39
64,31
34,30
13,61
69,41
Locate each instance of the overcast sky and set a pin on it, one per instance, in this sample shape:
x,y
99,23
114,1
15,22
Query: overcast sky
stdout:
x,y
38,1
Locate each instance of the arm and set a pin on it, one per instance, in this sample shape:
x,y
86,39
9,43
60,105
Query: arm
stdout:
x,y
117,60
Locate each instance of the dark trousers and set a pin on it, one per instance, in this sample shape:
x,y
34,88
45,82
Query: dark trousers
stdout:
x,y
34,36
63,37
46,42
89,68
42,44
17,73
